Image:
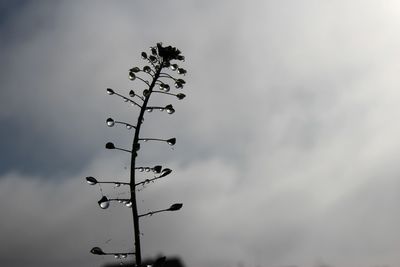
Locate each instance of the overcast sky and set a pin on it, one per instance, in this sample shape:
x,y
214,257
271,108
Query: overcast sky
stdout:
x,y
287,147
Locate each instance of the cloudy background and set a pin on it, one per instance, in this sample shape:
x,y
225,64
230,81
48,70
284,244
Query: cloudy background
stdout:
x,y
288,141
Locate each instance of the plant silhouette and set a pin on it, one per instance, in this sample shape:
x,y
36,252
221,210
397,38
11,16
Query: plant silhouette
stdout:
x,y
170,262
156,76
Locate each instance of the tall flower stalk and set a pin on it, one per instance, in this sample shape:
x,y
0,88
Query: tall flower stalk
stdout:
x,y
157,76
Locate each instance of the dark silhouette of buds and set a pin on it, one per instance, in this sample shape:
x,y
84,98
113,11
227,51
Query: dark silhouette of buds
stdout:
x,y
147,69
169,109
179,83
110,145
135,69
104,203
180,96
110,122
146,92
169,53
165,172
97,251
153,59
132,76
157,169
164,87
176,206
181,71
91,180
136,147
171,141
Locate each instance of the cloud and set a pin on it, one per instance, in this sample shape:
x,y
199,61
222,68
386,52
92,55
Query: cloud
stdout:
x,y
287,140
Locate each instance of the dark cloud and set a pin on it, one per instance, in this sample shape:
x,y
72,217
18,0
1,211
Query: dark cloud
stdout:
x,y
287,140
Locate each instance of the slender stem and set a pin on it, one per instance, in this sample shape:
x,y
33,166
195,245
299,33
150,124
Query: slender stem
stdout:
x,y
133,162
153,212
148,180
125,150
118,199
149,73
164,93
129,100
166,75
118,253
121,183
124,123
154,107
153,139
141,98
143,80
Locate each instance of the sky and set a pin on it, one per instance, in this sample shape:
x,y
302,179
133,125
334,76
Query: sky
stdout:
x,y
287,142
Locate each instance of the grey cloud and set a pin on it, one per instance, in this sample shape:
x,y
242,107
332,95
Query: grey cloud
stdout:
x,y
287,140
